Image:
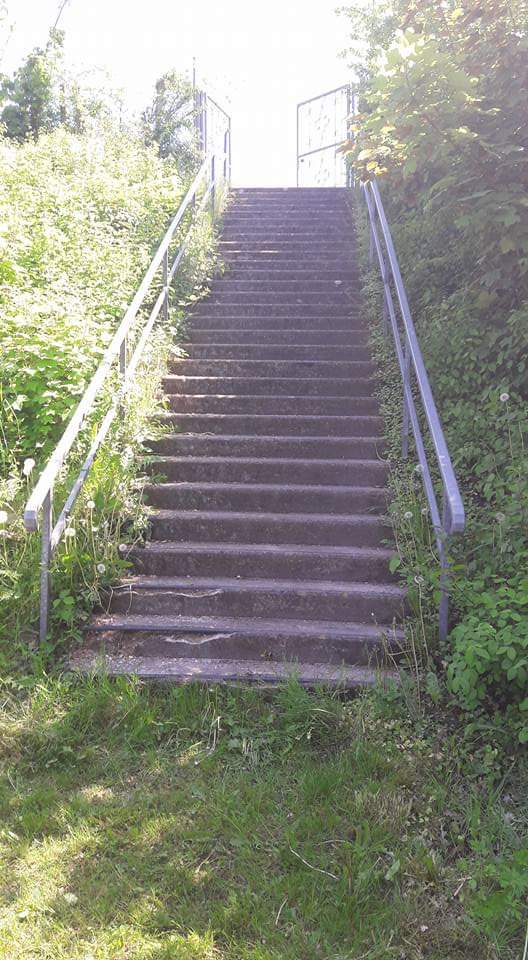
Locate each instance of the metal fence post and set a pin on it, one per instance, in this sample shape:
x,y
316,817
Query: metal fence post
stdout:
x,y
443,611
213,187
45,558
406,383
166,285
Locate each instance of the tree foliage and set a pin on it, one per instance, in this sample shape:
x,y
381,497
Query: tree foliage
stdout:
x,y
169,120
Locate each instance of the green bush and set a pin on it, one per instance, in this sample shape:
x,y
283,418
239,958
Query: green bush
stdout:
x,y
81,217
440,95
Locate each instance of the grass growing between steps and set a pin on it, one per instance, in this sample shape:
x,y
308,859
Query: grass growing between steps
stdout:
x,y
187,824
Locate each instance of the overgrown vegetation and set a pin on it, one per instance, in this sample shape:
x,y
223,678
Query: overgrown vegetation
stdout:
x,y
82,210
441,123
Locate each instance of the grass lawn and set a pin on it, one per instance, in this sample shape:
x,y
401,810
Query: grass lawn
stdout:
x,y
157,823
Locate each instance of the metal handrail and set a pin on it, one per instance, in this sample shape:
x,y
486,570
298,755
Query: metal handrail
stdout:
x,y
40,503
450,518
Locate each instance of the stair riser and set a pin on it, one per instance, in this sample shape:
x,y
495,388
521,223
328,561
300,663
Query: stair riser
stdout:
x,y
269,386
292,604
248,647
237,446
263,293
276,315
262,352
332,532
317,406
356,339
264,320
357,473
295,249
371,500
268,282
255,268
270,368
290,566
277,426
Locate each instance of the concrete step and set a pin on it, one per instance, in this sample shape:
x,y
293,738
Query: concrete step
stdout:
x,y
283,599
280,352
277,314
253,271
262,425
282,369
248,638
268,284
293,561
269,470
271,405
263,319
238,445
236,293
284,497
352,338
269,386
352,530
258,672
299,247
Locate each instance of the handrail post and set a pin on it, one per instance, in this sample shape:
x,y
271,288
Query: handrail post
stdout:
x,y
406,383
443,611
45,559
213,187
123,351
166,286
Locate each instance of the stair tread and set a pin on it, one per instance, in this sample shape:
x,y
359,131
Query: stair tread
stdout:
x,y
270,517
258,584
257,626
188,669
299,549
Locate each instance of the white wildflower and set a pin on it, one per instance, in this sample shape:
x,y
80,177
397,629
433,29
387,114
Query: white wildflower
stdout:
x,y
71,898
69,532
27,469
101,568
504,397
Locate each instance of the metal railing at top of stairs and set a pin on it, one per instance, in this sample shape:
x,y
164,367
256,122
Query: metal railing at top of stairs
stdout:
x,y
450,518
213,172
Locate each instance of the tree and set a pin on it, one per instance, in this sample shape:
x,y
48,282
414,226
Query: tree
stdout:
x,y
169,121
29,96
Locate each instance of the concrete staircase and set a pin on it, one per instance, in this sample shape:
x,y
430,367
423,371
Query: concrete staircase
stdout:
x,y
268,539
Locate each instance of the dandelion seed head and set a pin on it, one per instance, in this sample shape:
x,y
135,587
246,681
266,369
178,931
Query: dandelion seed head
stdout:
x,y
504,397
3,517
407,515
91,505
500,517
101,568
29,464
122,547
69,532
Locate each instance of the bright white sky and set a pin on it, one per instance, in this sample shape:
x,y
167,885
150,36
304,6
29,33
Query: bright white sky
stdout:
x,y
257,58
